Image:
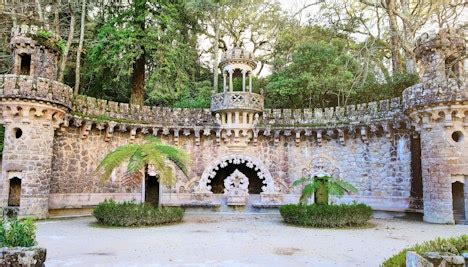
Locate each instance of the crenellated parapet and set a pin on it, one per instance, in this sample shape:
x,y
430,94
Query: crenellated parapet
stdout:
x,y
353,121
35,89
103,110
441,55
365,113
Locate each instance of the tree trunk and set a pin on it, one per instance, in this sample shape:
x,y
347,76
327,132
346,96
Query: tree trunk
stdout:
x,y
63,63
137,96
80,48
39,11
216,55
138,82
57,17
394,38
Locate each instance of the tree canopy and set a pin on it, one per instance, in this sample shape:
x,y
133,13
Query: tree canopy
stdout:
x,y
312,54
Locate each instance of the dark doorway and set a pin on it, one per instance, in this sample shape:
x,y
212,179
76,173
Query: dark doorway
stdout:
x,y
458,197
14,194
151,190
25,67
416,192
255,183
321,194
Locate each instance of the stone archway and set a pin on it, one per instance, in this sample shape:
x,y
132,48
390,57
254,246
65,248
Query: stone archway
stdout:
x,y
236,159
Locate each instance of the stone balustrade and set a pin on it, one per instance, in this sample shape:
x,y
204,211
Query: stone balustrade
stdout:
x,y
35,89
237,101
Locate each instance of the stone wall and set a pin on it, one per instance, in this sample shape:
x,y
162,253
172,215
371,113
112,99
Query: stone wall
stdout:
x,y
378,167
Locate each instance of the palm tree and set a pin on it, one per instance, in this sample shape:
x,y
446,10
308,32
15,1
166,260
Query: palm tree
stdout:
x,y
331,185
151,152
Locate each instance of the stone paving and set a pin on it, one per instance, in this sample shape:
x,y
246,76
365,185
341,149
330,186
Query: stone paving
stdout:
x,y
230,240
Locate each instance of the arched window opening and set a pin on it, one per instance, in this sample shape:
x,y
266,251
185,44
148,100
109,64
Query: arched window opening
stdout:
x,y
255,183
25,64
14,194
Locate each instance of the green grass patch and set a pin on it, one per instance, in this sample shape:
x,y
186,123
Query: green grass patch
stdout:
x,y
455,245
327,216
131,214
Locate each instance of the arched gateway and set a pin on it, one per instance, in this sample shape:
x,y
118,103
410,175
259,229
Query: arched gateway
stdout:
x,y
236,159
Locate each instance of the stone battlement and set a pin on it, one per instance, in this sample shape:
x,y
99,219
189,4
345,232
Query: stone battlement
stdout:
x,y
26,31
35,89
362,113
450,40
445,91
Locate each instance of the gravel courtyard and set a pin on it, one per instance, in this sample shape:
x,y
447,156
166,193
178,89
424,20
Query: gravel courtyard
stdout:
x,y
230,240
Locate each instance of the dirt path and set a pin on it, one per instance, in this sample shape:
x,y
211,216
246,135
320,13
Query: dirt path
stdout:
x,y
215,240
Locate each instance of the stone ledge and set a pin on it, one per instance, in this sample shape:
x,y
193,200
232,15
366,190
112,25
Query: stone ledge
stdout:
x,y
23,256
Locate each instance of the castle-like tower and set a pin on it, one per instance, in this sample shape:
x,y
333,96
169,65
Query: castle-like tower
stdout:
x,y
438,108
33,105
237,109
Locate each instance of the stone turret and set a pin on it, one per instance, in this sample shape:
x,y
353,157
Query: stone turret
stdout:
x,y
438,108
33,105
237,108
36,51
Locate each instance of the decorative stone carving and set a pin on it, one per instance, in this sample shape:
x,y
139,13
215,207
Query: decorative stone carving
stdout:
x,y
236,188
320,167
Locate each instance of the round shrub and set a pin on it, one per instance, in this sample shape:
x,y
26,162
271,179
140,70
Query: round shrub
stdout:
x,y
455,245
17,233
329,216
128,214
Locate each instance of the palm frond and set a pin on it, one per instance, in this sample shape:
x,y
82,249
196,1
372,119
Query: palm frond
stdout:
x,y
114,159
152,152
178,157
307,192
300,181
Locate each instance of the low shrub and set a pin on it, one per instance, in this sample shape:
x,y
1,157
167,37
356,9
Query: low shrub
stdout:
x,y
128,214
329,216
455,245
17,233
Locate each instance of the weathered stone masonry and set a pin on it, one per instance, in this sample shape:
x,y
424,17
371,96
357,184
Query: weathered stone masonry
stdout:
x,y
63,139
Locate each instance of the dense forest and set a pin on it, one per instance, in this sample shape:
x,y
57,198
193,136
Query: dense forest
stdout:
x,y
315,53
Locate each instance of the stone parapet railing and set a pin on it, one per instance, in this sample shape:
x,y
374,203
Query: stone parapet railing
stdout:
x,y
39,89
443,91
237,101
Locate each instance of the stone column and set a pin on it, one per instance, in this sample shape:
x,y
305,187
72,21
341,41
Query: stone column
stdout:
x,y
243,80
231,86
250,82
29,136
224,81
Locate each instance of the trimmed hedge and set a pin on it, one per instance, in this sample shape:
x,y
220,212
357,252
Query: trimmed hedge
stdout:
x,y
17,233
329,216
127,214
455,245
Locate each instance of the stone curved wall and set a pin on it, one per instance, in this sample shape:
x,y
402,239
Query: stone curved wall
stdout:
x,y
419,95
35,89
